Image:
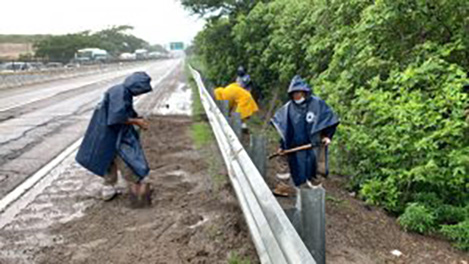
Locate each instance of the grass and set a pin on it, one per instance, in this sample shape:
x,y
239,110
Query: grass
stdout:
x,y
202,135
234,258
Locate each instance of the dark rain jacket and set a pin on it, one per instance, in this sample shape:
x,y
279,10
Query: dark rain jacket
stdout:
x,y
301,124
108,135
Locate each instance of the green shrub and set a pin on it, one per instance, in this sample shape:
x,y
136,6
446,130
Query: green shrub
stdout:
x,y
458,233
417,218
448,214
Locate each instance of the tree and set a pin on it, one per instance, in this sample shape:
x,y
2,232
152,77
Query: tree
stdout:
x,y
218,8
62,48
156,47
115,40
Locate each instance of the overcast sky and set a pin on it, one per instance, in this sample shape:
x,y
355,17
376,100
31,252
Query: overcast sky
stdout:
x,y
156,21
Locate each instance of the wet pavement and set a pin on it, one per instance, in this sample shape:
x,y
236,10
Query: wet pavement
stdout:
x,y
38,122
66,191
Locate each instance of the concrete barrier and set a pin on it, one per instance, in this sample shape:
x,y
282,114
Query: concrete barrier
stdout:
x,y
17,79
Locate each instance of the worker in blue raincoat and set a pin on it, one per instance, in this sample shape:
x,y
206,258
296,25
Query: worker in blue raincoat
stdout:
x,y
304,120
112,143
243,79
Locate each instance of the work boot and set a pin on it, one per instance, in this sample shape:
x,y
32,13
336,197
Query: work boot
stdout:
x,y
284,190
140,195
108,192
314,183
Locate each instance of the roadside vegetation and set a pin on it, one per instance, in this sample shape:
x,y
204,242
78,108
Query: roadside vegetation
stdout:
x,y
395,71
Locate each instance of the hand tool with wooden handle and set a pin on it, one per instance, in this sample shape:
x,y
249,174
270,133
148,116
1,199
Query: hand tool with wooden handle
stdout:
x,y
292,150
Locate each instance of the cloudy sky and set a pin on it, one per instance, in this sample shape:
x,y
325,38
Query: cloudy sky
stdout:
x,y
157,21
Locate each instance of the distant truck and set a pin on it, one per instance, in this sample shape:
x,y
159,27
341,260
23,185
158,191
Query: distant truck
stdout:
x,y
127,56
141,54
91,55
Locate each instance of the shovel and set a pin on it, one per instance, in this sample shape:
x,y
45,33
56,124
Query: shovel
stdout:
x,y
289,151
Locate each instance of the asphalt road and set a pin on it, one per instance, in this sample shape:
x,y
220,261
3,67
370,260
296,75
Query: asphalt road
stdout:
x,y
38,122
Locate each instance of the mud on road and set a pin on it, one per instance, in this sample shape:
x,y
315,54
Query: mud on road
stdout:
x,y
189,222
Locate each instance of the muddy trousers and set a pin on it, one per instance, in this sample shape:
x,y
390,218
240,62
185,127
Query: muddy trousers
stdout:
x,y
119,165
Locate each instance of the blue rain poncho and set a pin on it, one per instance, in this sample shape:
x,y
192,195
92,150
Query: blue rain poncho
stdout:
x,y
108,135
243,79
301,124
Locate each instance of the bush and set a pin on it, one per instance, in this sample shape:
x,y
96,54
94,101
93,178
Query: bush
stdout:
x,y
459,233
393,70
417,218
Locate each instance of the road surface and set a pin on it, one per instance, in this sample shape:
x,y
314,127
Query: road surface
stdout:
x,y
38,122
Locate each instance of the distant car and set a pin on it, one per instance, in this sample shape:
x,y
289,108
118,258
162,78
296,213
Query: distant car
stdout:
x,y
72,65
15,66
36,66
54,65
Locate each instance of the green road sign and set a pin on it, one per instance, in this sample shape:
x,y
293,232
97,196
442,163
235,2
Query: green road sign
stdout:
x,y
176,46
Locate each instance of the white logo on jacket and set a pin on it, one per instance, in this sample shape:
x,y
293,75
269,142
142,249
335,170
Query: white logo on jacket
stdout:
x,y
310,116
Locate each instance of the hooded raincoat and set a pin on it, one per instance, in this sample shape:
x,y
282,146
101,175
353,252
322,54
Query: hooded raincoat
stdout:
x,y
301,124
108,135
238,99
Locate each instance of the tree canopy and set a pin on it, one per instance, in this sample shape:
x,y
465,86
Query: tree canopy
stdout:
x,y
115,40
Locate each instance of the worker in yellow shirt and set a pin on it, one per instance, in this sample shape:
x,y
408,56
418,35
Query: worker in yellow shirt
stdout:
x,y
239,99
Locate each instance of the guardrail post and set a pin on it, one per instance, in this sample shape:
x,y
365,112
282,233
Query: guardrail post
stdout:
x,y
235,123
258,152
312,214
294,216
223,104
211,91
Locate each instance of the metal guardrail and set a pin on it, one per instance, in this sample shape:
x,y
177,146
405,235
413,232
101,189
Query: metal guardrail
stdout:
x,y
274,236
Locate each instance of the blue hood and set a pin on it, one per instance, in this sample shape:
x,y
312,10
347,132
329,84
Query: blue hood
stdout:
x,y
240,72
297,84
244,81
138,83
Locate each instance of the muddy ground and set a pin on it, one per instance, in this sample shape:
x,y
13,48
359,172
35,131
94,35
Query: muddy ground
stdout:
x,y
360,234
189,221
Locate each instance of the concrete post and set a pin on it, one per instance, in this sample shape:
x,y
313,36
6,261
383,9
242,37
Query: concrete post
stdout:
x,y
258,153
312,213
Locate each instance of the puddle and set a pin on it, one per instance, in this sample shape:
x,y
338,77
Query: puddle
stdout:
x,y
179,102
